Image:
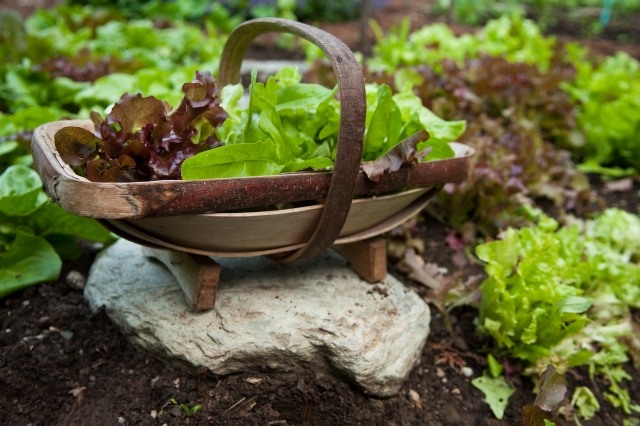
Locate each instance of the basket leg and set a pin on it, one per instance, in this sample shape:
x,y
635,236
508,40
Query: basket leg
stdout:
x,y
368,258
198,276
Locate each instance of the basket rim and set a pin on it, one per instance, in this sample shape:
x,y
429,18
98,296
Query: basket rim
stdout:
x,y
178,197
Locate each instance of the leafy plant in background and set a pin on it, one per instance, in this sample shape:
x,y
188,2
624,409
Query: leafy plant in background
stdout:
x,y
521,107
516,116
563,296
234,10
591,17
514,38
609,113
137,42
477,12
35,233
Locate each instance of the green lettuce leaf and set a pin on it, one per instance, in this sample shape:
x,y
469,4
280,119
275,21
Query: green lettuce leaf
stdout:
x,y
27,260
237,160
497,392
20,191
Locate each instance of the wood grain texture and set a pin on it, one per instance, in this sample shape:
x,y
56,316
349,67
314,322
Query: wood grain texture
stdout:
x,y
368,258
198,276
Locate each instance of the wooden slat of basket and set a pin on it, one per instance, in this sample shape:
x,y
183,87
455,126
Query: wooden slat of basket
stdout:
x,y
173,198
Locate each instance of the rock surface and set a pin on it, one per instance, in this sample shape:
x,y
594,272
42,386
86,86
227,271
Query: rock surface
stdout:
x,y
316,314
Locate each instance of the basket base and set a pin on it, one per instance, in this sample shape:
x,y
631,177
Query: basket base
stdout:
x,y
199,276
277,232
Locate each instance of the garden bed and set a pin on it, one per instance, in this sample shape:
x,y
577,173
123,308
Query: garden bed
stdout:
x,y
62,364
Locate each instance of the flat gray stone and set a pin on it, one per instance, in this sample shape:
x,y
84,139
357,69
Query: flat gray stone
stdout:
x,y
315,315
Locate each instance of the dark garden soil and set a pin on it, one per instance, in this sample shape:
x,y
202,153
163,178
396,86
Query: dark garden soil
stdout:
x,y
60,364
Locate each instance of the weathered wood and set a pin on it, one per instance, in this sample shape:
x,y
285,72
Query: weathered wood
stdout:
x,y
199,240
174,198
198,276
368,258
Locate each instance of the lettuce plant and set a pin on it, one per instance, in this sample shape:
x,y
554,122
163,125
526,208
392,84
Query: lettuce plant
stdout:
x,y
564,296
513,38
609,113
516,115
140,139
34,231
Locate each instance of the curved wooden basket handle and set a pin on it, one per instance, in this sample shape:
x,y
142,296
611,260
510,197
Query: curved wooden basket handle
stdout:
x,y
352,119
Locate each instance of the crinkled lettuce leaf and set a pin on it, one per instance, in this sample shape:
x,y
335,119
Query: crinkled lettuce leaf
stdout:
x,y
296,126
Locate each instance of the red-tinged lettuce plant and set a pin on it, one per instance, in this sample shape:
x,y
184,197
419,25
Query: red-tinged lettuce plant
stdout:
x,y
141,139
516,115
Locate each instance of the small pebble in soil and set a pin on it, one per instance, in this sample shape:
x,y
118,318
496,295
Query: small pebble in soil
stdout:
x,y
440,372
120,420
467,371
66,334
75,280
78,392
415,398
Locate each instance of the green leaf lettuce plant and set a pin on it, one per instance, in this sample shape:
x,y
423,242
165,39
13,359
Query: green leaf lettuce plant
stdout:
x,y
564,295
290,126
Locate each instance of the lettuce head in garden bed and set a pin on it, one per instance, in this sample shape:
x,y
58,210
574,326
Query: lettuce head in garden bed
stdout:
x,y
608,95
288,126
513,38
516,115
564,296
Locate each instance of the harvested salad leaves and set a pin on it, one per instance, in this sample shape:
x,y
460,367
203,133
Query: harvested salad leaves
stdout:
x,y
291,126
141,140
288,126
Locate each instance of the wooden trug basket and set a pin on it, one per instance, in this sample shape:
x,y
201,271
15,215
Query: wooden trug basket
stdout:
x,y
197,217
